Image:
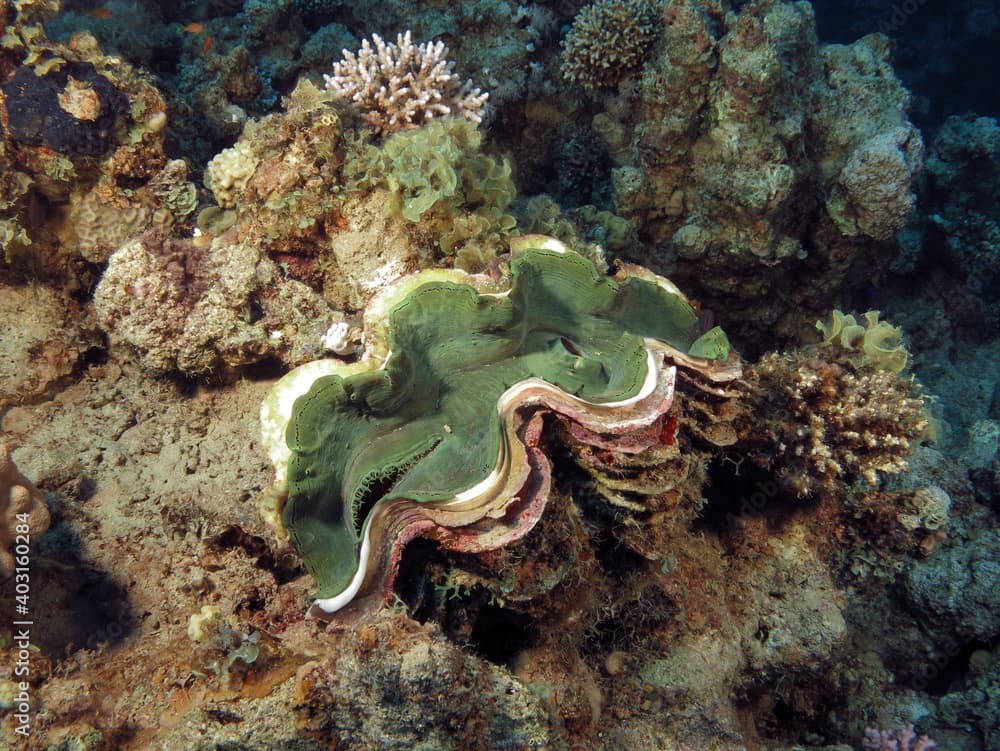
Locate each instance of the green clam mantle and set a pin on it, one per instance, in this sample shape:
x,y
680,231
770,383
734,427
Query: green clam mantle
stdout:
x,y
424,428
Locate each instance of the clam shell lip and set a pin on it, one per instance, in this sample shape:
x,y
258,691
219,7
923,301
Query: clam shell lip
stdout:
x,y
494,492
330,605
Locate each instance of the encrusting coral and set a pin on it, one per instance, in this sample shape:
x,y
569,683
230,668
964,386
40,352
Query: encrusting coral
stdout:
x,y
23,513
396,86
203,306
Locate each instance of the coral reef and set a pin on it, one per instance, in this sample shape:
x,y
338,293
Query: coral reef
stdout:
x,y
609,39
346,216
23,514
726,562
400,85
749,156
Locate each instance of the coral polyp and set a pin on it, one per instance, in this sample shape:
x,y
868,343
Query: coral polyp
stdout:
x,y
442,438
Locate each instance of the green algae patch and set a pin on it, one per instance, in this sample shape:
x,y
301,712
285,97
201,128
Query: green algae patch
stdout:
x,y
425,426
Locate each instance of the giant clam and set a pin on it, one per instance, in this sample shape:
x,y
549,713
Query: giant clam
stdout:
x,y
436,431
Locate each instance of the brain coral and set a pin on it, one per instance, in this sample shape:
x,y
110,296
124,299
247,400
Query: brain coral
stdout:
x,y
608,40
873,195
440,438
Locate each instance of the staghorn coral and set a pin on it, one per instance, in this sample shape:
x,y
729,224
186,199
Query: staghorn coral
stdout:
x,y
23,513
608,40
400,85
830,423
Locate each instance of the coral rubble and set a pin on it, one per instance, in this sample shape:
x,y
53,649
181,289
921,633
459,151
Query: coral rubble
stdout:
x,y
198,307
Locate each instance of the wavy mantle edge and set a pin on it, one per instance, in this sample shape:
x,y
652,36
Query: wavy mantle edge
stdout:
x,y
520,467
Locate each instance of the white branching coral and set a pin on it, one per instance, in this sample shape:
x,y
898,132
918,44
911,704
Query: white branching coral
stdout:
x,y
395,86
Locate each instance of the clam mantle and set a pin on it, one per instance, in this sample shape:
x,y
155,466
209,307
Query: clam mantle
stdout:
x,y
436,430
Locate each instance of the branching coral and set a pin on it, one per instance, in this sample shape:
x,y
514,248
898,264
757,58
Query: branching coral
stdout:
x,y
400,85
608,40
831,423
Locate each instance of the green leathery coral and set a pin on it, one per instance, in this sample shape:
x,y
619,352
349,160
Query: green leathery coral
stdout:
x,y
424,426
871,342
441,179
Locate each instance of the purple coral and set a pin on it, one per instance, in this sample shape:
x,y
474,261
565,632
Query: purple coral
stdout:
x,y
897,740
